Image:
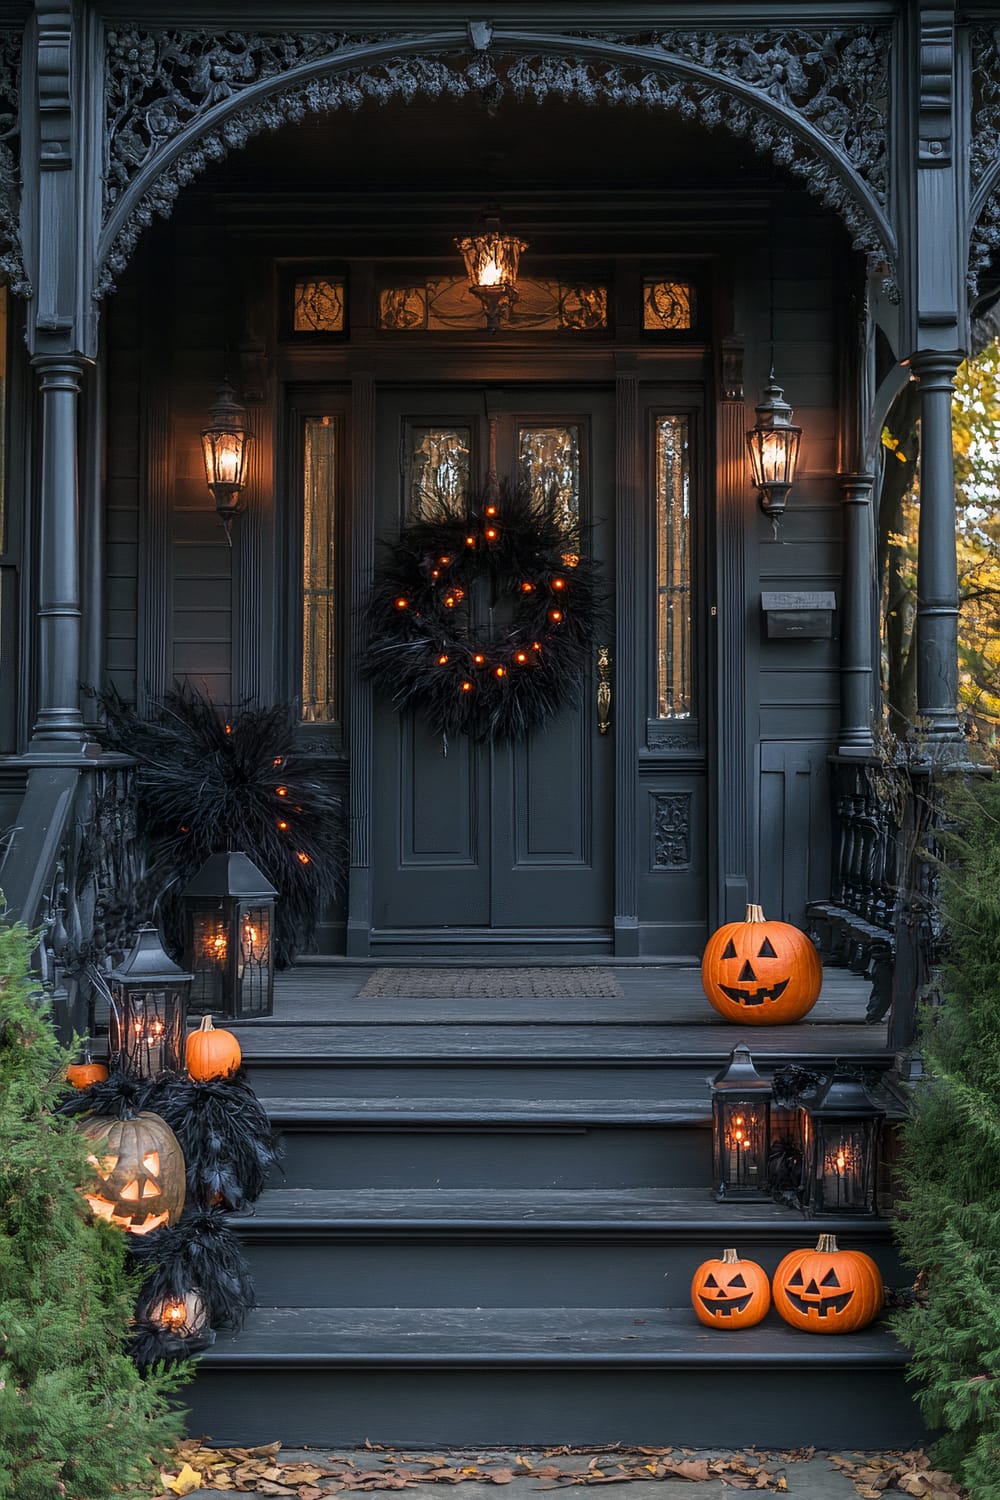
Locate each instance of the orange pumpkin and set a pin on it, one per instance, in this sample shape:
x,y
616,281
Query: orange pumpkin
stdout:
x,y
82,1074
761,973
730,1293
212,1053
139,1170
828,1290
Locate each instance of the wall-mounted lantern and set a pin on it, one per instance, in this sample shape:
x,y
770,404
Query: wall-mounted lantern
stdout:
x,y
491,262
741,1128
225,445
148,1014
229,944
842,1129
773,444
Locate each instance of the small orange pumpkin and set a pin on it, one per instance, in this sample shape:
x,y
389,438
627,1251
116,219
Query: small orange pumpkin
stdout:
x,y
82,1074
761,973
730,1293
212,1053
828,1290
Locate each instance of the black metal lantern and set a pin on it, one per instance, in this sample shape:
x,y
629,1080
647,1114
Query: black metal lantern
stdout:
x,y
225,446
741,1128
148,1014
773,444
842,1133
491,260
230,929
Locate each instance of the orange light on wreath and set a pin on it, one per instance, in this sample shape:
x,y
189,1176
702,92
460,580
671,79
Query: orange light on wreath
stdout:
x,y
282,825
466,687
302,857
521,657
442,661
491,533
555,615
558,583
491,510
501,671
527,588
281,791
402,603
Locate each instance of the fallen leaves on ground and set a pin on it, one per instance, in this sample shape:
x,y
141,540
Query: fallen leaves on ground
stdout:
x,y
260,1471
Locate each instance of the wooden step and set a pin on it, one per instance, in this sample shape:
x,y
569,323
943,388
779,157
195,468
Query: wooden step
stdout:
x,y
517,1247
540,1376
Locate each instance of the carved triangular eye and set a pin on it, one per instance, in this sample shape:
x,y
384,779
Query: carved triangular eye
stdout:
x,y
710,1280
746,972
795,1280
830,1279
767,951
730,950
738,1281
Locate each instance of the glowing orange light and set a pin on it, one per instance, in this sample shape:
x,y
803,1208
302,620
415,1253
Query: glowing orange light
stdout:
x,y
501,671
450,601
521,656
282,791
229,728
536,645
444,561
282,824
459,593
558,583
491,533
491,510
466,687
402,603
215,947
841,1163
571,559
555,615
527,588
173,1315
302,858
479,660
470,541
442,661
435,572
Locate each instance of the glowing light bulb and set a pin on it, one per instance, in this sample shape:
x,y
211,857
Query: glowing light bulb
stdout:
x,y
402,603
470,541
466,687
491,533
302,858
501,671
521,656
282,791
442,661
479,660
527,588
558,583
555,615
282,825
490,273
491,510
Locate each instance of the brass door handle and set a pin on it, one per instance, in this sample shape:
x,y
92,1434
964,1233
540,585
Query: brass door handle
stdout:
x,y
603,689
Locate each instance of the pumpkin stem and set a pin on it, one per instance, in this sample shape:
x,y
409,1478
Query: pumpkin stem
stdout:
x,y
828,1244
729,1257
755,914
206,1024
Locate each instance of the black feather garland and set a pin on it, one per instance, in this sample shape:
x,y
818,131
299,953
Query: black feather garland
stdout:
x,y
209,779
227,1139
530,565
120,1096
197,1258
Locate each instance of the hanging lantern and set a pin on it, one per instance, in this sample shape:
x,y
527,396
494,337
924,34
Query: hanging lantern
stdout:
x,y
149,1010
229,947
741,1128
491,261
773,443
225,444
842,1129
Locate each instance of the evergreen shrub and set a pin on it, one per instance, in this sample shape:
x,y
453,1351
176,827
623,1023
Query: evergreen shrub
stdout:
x,y
77,1420
949,1224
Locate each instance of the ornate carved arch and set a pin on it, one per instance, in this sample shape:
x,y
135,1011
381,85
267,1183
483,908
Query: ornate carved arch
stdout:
x,y
816,102
984,157
11,255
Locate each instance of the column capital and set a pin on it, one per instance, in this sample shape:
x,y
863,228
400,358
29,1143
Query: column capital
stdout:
x,y
857,488
60,371
935,367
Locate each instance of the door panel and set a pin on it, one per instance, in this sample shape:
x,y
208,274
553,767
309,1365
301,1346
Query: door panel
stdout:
x,y
488,837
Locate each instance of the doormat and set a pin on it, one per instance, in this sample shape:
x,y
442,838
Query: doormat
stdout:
x,y
492,984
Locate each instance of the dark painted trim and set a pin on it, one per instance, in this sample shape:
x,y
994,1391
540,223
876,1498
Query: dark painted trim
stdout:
x,y
629,515
359,915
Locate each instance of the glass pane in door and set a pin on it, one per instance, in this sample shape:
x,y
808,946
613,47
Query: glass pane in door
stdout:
x,y
437,467
319,570
548,460
673,569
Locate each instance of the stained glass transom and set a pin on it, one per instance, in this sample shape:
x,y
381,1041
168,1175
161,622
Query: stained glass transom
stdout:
x,y
318,570
667,305
549,464
673,569
445,302
319,306
438,467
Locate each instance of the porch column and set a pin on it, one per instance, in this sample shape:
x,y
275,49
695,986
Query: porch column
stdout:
x,y
59,725
937,563
856,639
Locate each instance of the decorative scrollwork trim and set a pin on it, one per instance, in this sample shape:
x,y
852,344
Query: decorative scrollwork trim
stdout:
x,y
237,87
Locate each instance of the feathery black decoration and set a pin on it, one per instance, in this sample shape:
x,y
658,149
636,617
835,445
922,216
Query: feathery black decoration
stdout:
x,y
150,1344
200,1254
224,1132
120,1096
207,779
543,595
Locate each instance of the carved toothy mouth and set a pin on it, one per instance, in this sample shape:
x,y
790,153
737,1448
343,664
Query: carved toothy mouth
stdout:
x,y
754,997
822,1305
727,1306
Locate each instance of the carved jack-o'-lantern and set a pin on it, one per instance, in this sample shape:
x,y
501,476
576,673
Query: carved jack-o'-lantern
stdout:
x,y
761,973
140,1172
730,1293
828,1290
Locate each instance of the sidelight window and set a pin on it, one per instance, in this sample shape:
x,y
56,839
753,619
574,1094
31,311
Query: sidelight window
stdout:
x,y
319,570
673,569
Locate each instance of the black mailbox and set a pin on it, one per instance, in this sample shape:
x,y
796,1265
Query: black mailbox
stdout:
x,y
806,616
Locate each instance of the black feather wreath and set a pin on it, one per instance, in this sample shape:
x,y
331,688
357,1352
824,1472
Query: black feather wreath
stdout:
x,y
209,779
227,1139
540,589
200,1253
120,1096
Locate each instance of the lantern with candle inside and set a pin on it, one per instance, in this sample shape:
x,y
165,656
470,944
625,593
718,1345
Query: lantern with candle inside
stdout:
x,y
149,1009
185,1316
741,1128
842,1129
229,909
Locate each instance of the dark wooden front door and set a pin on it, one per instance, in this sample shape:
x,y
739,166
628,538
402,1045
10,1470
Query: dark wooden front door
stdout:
x,y
498,843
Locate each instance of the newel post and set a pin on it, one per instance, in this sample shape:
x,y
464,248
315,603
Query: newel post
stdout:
x,y
856,644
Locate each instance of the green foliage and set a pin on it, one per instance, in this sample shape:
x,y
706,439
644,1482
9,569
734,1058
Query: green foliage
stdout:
x,y
949,1225
76,1418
